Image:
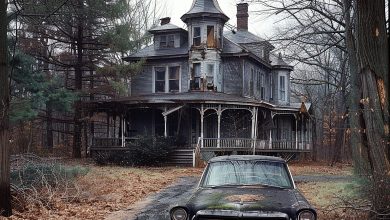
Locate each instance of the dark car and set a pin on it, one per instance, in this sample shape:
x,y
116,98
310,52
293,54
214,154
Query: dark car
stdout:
x,y
245,187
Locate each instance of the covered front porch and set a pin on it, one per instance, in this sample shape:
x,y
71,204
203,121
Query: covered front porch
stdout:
x,y
204,127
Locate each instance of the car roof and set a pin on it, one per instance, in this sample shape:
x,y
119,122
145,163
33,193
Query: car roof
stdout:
x,y
246,157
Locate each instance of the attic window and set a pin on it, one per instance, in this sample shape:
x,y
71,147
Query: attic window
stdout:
x,y
163,41
167,41
196,36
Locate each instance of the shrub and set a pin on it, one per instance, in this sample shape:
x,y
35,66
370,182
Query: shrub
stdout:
x,y
39,182
143,151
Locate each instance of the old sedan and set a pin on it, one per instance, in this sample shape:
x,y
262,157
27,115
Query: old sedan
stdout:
x,y
245,187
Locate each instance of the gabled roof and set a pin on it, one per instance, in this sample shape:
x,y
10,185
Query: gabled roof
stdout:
x,y
150,53
166,28
201,8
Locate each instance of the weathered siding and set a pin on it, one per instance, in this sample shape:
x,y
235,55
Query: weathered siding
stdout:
x,y
232,76
142,83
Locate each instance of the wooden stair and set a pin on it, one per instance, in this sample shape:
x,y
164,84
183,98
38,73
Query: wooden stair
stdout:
x,y
181,157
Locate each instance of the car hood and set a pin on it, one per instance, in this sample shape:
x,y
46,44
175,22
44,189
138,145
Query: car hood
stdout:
x,y
265,199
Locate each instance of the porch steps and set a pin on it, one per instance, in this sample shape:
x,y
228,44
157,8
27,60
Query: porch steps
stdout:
x,y
182,157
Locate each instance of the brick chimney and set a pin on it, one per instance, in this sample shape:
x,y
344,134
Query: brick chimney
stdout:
x,y
242,16
166,20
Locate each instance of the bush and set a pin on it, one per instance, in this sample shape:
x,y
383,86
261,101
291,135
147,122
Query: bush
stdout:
x,y
39,182
144,151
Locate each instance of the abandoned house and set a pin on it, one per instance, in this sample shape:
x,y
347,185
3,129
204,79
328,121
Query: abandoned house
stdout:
x,y
216,90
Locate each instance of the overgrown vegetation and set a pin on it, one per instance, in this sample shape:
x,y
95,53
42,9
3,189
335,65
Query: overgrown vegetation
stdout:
x,y
40,183
150,151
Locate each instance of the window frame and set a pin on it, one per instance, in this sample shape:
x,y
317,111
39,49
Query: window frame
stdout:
x,y
198,37
166,78
169,41
282,88
211,42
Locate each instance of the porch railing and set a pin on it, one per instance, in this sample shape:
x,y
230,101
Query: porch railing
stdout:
x,y
110,142
245,143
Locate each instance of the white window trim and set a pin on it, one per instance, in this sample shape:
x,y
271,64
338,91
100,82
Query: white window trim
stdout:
x,y
166,77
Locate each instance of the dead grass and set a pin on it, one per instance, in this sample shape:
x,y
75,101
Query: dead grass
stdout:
x,y
108,189
320,169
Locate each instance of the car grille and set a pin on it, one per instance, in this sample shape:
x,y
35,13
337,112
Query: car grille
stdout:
x,y
229,218
236,215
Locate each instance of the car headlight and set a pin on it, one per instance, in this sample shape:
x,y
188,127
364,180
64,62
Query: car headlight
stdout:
x,y
306,215
179,214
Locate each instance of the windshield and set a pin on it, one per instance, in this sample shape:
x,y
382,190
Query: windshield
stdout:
x,y
247,173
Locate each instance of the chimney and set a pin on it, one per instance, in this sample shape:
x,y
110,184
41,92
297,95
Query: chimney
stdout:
x,y
242,16
165,21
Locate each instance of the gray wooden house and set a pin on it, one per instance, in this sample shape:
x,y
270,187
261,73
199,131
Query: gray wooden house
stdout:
x,y
213,89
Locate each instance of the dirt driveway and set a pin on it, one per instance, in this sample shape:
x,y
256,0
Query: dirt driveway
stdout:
x,y
157,207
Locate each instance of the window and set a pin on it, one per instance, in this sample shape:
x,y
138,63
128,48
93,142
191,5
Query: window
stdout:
x,y
271,82
220,41
196,74
196,36
282,86
174,79
251,82
210,75
210,37
163,41
164,82
167,41
160,79
262,86
197,70
171,41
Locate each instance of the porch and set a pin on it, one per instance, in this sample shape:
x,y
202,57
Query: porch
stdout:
x,y
223,128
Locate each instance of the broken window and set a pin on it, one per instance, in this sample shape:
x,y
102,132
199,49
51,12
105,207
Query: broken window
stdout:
x,y
174,79
196,36
159,79
210,75
196,74
210,37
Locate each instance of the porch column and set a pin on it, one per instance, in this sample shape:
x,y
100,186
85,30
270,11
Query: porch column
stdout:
x,y
165,123
254,128
270,138
123,130
296,132
302,132
202,125
219,113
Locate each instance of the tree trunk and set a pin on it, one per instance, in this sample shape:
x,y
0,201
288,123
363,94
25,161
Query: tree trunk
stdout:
x,y
374,70
78,84
359,153
5,190
49,127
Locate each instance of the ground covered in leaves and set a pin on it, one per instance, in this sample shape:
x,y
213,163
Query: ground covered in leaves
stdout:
x,y
106,189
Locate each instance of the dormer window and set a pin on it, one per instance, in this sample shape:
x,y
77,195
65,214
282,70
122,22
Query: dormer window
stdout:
x,y
167,41
196,37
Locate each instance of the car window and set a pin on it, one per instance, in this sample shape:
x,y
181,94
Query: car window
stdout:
x,y
247,173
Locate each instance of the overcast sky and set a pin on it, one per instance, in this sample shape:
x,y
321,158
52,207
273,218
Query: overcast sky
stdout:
x,y
260,25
